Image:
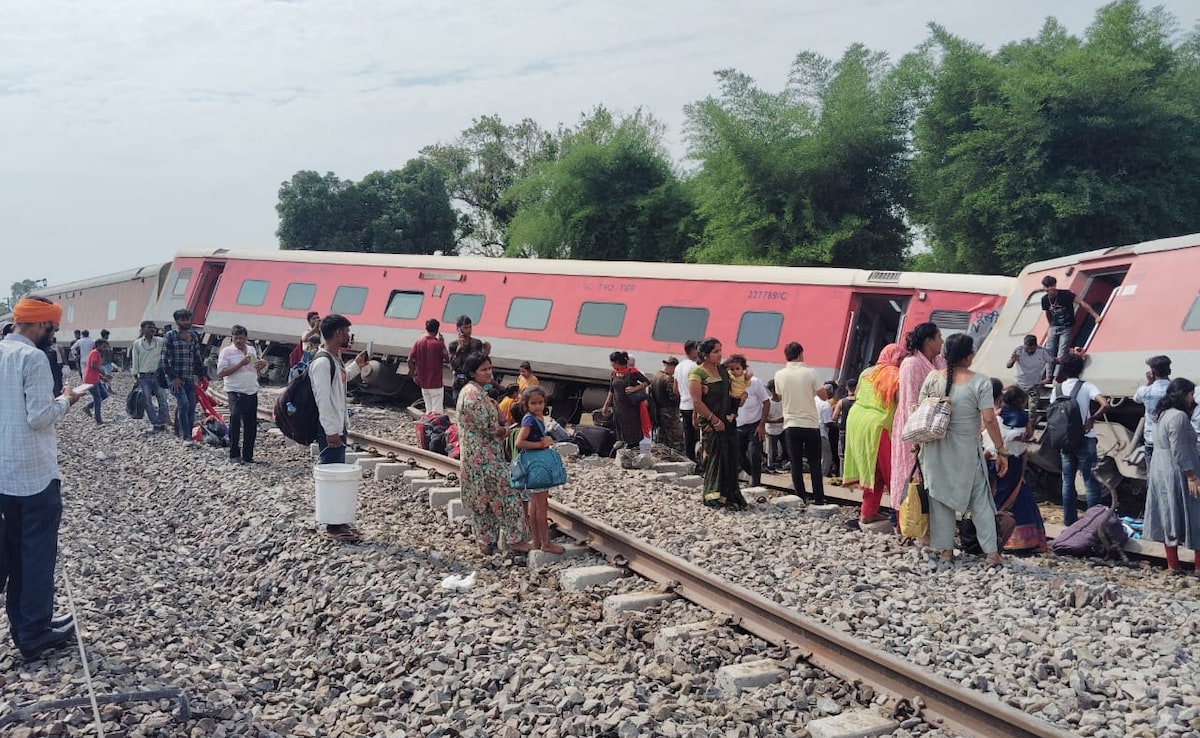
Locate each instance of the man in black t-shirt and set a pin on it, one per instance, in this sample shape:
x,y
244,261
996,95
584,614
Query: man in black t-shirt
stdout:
x,y
1059,306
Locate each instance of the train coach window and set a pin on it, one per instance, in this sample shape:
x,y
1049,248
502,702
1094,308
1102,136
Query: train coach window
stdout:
x,y
179,289
299,296
112,309
349,300
678,324
1028,317
1192,321
404,305
600,319
529,313
253,292
70,313
759,330
461,303
950,321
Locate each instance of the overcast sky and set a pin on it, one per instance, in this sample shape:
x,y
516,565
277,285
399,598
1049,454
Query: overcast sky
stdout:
x,y
135,128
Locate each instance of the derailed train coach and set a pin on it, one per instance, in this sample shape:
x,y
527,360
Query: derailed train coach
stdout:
x,y
565,317
116,302
1148,298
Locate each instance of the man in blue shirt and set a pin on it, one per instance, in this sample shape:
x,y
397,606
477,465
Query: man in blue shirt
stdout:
x,y
30,494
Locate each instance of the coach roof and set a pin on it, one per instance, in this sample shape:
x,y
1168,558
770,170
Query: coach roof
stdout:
x,y
998,285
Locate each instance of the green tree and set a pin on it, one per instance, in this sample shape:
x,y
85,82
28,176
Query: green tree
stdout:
x,y
610,194
812,175
404,211
480,166
1056,144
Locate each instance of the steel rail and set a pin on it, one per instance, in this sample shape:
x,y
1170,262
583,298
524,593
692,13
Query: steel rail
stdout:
x,y
935,699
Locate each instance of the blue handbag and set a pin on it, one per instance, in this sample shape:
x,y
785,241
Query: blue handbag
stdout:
x,y
537,469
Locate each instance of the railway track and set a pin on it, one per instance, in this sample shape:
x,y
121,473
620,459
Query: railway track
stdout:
x,y
913,690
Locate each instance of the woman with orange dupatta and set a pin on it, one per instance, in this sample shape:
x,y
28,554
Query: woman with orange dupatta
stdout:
x,y
868,462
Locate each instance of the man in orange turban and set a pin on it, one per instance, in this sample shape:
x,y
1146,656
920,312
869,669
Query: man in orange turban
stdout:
x,y
33,310
30,489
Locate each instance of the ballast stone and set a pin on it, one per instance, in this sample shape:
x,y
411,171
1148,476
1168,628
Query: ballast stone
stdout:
x,y
617,605
691,481
566,449
788,501
855,724
666,477
580,578
735,678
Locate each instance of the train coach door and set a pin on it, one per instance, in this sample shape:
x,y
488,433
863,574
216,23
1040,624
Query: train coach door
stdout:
x,y
874,322
206,287
1101,288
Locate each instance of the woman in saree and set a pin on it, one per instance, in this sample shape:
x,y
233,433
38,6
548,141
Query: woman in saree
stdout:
x,y
868,455
716,414
631,420
923,354
492,506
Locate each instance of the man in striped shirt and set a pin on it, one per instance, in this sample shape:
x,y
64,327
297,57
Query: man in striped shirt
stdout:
x,y
30,495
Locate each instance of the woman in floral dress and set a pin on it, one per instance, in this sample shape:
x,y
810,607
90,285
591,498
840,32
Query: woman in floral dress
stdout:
x,y
491,504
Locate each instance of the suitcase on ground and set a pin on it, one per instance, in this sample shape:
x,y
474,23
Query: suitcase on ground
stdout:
x,y
592,439
1098,532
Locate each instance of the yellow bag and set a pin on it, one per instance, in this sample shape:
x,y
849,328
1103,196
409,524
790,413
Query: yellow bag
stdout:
x,y
914,510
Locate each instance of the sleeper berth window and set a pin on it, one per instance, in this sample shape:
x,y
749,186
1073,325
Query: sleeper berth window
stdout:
x,y
461,303
179,289
528,313
404,305
1028,317
759,330
253,292
678,324
299,296
349,300
600,319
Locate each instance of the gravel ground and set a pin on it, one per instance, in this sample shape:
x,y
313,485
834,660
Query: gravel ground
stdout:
x,y
191,573
1098,650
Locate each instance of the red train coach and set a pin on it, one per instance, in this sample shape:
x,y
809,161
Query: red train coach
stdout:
x,y
1149,303
566,316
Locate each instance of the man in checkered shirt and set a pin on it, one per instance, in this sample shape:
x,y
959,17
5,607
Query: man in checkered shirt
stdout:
x,y
30,496
183,364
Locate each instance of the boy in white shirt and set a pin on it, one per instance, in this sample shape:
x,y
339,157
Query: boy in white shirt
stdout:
x,y
776,450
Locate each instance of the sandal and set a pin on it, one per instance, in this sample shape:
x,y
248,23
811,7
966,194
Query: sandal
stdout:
x,y
523,547
553,548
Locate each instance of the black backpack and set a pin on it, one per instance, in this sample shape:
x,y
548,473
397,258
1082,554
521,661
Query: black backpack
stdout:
x,y
1064,423
296,415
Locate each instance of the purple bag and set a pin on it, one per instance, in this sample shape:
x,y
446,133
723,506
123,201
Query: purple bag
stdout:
x,y
1097,533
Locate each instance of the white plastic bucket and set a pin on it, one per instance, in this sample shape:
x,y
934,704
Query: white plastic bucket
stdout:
x,y
337,492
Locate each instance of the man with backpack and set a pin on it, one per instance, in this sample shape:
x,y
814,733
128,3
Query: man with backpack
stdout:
x,y
329,378
1069,430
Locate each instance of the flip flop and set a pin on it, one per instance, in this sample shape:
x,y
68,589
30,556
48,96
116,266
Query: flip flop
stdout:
x,y
344,536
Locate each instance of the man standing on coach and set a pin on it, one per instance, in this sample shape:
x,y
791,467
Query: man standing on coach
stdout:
x,y
30,493
425,362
